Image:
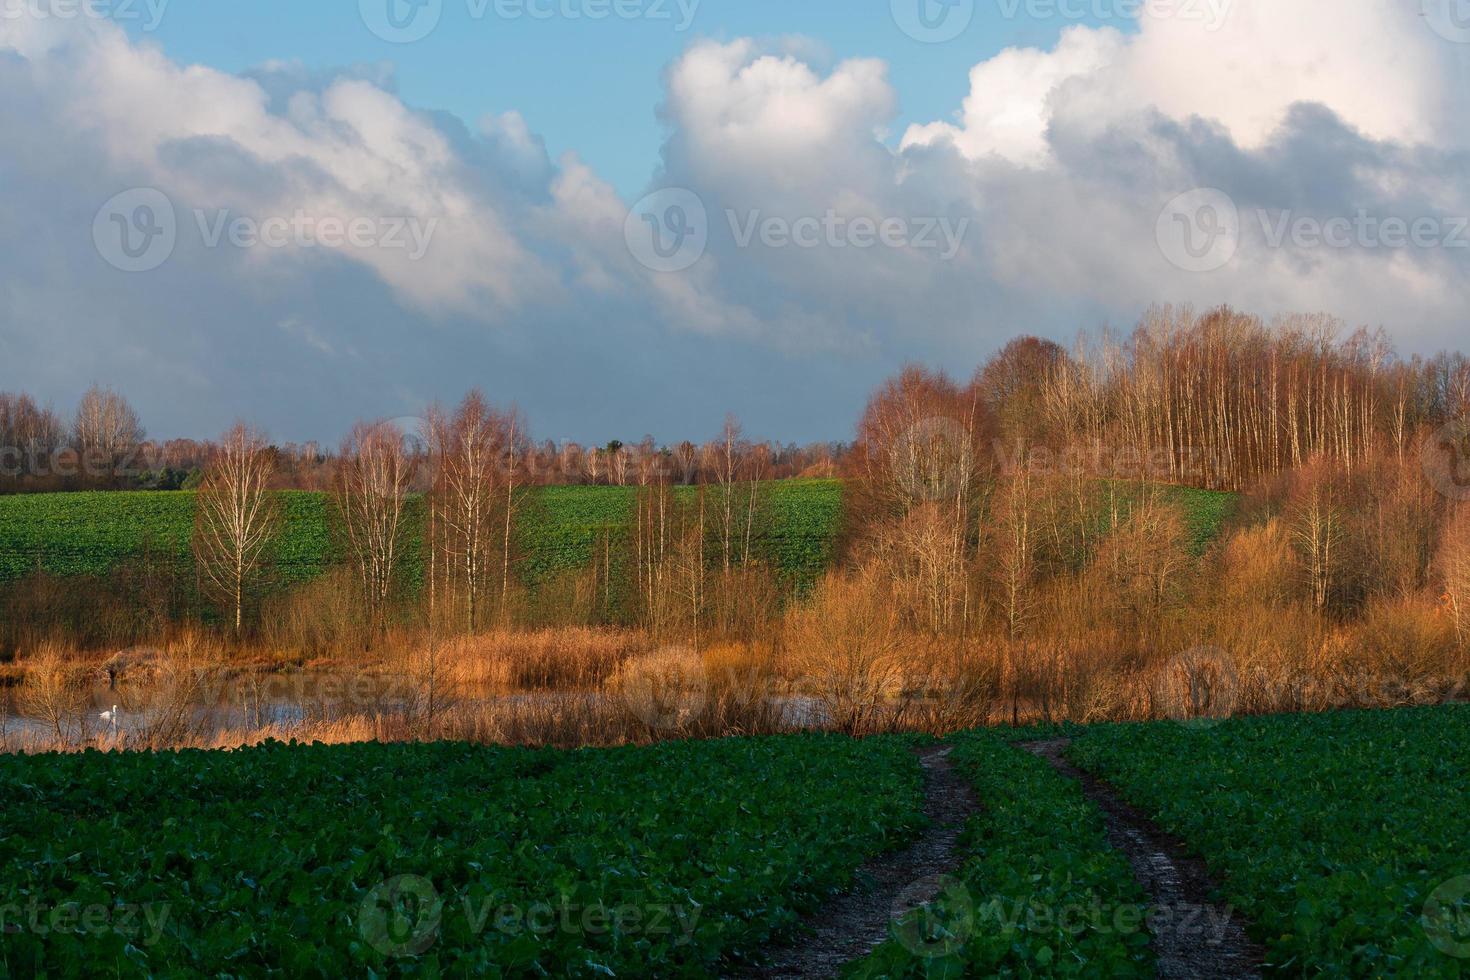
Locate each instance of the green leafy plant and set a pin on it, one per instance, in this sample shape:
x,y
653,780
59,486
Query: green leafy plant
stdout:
x,y
1331,833
442,859
1040,891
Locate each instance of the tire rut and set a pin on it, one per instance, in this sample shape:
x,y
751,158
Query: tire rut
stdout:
x,y
855,923
1192,936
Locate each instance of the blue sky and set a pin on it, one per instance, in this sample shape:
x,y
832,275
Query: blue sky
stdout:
x,y
594,86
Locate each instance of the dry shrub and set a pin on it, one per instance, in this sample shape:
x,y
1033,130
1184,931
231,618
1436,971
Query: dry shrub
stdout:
x,y
1142,569
745,663
923,554
1200,683
81,612
668,690
56,690
567,599
187,675
1400,652
565,659
949,685
1257,566
743,603
1454,572
1277,653
324,617
846,645
744,685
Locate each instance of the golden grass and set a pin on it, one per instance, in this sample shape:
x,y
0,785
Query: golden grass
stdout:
x,y
842,663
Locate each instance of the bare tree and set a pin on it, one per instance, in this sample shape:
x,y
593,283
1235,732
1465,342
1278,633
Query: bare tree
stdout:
x,y
370,489
1317,528
236,517
106,432
1013,542
514,434
725,454
464,500
478,465
1454,567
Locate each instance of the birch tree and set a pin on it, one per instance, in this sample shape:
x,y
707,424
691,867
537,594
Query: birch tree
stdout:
x,y
237,518
370,488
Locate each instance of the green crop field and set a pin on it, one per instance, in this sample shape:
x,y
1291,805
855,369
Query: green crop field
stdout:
x,y
796,529
1338,841
1205,511
1341,836
429,860
1036,850
92,533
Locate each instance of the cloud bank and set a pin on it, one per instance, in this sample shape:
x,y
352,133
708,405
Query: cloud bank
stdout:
x,y
827,249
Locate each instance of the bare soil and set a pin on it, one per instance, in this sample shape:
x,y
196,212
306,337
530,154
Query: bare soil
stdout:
x,y
888,886
1193,936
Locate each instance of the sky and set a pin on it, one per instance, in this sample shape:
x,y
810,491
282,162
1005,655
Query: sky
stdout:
x,y
635,216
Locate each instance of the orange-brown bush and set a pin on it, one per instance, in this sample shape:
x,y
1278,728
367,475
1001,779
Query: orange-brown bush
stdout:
x,y
847,645
55,690
567,659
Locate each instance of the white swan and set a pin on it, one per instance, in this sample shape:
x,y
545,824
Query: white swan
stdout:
x,y
111,718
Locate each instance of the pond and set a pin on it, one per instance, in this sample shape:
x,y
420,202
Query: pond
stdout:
x,y
163,707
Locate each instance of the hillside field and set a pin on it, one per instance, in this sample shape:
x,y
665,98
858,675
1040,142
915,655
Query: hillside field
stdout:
x,y
69,534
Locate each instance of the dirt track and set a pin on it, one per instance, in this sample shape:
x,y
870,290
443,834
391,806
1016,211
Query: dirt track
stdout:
x,y
1193,936
855,923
